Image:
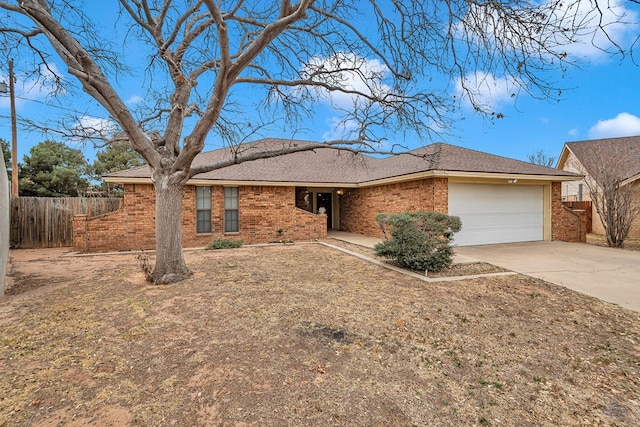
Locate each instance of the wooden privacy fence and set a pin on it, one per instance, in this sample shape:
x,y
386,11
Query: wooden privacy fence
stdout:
x,y
46,222
583,206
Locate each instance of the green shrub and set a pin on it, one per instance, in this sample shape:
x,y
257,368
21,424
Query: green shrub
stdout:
x,y
418,240
224,244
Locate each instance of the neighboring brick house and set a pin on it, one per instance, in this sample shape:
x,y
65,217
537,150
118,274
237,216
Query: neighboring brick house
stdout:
x,y
621,155
299,196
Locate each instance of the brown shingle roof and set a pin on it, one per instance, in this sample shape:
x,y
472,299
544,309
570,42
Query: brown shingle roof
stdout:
x,y
321,165
446,157
621,153
327,165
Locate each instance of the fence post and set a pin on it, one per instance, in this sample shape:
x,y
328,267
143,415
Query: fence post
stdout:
x,y
4,221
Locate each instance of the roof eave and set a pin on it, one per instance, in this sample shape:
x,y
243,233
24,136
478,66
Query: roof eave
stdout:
x,y
523,176
232,182
562,159
237,183
470,175
382,181
631,179
127,180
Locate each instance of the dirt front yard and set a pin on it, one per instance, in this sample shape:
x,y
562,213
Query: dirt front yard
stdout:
x,y
305,335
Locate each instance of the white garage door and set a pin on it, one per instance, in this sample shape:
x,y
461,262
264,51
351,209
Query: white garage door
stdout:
x,y
497,213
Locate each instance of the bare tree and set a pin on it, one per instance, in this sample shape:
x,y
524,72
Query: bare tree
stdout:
x,y
614,195
541,158
394,61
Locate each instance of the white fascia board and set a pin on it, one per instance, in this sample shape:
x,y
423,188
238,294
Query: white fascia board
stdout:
x,y
469,176
391,180
630,179
238,183
234,183
528,177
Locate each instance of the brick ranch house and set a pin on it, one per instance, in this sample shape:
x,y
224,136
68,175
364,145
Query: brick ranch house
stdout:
x,y
304,194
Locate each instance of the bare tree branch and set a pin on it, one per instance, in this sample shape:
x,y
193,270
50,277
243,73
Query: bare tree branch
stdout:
x,y
615,200
541,158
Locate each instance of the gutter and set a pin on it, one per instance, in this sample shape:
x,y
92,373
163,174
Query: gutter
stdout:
x,y
383,181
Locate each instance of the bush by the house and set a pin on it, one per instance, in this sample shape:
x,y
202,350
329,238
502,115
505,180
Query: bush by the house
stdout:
x,y
224,244
418,240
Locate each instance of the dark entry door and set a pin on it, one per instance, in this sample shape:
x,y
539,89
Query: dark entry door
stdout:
x,y
323,200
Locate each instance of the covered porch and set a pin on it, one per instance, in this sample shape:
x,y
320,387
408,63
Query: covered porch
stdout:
x,y
321,200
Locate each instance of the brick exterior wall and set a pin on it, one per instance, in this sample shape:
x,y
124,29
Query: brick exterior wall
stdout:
x,y
265,210
572,226
566,225
131,228
359,207
262,212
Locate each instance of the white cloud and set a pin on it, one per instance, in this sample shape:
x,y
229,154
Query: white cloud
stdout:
x,y
134,99
45,84
617,24
624,124
486,90
592,27
340,129
95,127
349,72
574,132
32,88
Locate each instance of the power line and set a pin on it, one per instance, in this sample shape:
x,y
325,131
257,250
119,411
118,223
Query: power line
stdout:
x,y
58,107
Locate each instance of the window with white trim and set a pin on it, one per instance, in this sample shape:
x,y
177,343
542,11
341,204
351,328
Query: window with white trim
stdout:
x,y
203,209
231,209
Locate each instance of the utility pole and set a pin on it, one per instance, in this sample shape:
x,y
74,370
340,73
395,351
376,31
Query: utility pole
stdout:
x,y
14,135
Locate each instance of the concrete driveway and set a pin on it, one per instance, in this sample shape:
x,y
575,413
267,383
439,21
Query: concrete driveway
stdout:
x,y
612,275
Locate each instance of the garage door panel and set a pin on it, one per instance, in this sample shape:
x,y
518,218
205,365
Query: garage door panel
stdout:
x,y
497,213
493,235
521,219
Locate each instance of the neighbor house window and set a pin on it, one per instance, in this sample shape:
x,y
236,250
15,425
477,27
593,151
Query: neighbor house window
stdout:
x,y
230,209
579,192
203,209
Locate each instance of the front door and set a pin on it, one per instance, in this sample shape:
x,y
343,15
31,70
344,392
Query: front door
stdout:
x,y
323,200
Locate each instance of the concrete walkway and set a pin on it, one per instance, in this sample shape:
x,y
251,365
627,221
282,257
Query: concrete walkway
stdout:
x,y
612,275
357,239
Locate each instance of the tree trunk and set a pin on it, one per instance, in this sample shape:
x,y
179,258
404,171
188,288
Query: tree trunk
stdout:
x,y
170,265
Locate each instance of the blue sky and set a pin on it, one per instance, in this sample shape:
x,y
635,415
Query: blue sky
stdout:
x,y
602,100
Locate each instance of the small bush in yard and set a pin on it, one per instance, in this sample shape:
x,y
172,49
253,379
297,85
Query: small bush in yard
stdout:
x,y
224,244
145,266
419,240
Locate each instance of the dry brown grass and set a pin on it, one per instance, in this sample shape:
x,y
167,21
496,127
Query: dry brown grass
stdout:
x,y
629,244
454,270
306,335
